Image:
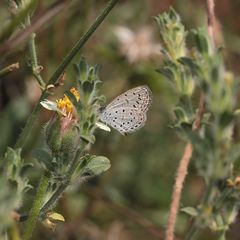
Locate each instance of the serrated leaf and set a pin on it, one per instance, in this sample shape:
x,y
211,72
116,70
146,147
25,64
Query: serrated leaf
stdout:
x,y
190,211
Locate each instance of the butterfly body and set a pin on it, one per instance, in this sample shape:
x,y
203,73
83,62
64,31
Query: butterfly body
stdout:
x,y
127,112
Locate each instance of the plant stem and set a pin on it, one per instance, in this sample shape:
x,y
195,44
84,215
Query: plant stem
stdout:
x,y
195,229
9,69
177,189
53,199
34,212
33,56
73,52
66,61
182,172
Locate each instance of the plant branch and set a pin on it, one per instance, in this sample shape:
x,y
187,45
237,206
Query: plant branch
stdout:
x,y
59,191
34,212
73,52
211,19
9,69
182,172
36,24
66,61
7,31
33,56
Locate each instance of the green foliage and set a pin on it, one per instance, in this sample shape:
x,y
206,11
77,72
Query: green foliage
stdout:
x,y
16,170
14,183
143,164
69,136
214,148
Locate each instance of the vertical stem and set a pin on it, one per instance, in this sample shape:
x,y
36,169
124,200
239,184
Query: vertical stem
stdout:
x,y
65,62
177,190
211,21
53,199
34,212
33,56
72,53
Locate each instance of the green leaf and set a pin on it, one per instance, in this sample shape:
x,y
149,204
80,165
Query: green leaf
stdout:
x,y
43,157
190,211
88,138
201,40
96,165
190,63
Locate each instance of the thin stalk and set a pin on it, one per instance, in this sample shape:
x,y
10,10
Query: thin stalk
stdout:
x,y
34,212
195,229
182,172
9,29
9,69
73,52
33,57
53,199
61,188
65,62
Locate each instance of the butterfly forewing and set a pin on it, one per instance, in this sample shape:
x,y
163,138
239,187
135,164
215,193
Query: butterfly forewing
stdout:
x,y
138,97
127,112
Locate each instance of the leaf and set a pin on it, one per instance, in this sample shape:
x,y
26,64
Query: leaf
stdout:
x,y
190,63
190,211
51,106
103,126
91,139
43,157
96,165
55,217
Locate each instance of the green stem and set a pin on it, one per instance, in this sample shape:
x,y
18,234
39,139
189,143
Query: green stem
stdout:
x,y
19,18
33,56
196,227
9,69
34,212
53,199
66,61
73,52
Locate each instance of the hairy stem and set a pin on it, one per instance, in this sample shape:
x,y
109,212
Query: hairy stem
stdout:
x,y
9,69
177,190
34,212
182,172
33,56
211,19
65,62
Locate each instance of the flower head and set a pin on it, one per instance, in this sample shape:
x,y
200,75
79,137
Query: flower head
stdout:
x,y
65,105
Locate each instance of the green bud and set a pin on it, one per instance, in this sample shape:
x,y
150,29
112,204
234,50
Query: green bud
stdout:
x,y
70,140
53,134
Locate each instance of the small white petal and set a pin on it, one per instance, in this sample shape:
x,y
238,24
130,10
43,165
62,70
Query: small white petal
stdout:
x,y
103,126
52,106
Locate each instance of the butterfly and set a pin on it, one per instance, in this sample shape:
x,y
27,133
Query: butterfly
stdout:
x,y
127,112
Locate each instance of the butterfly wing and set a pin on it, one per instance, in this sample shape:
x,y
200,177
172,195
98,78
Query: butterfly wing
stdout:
x,y
127,112
125,120
138,97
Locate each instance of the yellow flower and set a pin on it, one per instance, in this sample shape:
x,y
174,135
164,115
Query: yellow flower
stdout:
x,y
65,105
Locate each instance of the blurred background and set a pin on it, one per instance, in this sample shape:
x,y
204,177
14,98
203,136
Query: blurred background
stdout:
x,y
132,199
